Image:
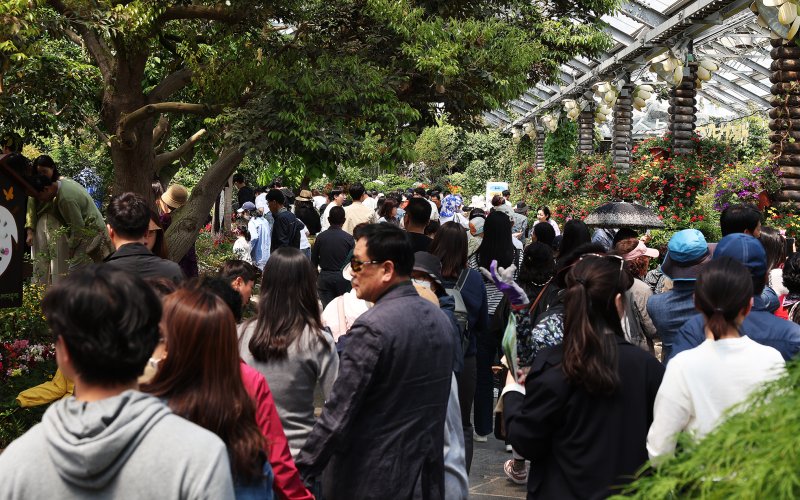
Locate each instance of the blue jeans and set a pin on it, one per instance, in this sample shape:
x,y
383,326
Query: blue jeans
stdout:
x,y
262,490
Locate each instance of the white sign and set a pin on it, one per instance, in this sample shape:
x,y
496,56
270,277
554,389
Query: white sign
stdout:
x,y
493,188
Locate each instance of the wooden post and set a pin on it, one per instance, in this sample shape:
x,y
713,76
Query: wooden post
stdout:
x,y
785,116
623,126
586,130
227,211
540,137
683,113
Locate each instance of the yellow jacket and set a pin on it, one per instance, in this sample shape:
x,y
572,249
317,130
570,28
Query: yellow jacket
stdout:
x,y
57,388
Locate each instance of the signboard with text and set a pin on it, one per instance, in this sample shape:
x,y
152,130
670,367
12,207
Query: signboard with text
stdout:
x,y
493,188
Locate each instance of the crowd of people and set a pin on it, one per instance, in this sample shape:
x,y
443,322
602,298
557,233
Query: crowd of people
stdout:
x,y
372,362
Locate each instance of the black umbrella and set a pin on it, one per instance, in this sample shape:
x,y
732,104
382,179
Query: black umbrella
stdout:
x,y
623,214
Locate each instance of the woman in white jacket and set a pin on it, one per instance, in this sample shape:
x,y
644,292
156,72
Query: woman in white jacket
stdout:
x,y
702,384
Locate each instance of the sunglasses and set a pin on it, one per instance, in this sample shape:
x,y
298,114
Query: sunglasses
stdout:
x,y
358,265
604,256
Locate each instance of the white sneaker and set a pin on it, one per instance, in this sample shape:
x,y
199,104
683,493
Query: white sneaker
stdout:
x,y
480,439
508,448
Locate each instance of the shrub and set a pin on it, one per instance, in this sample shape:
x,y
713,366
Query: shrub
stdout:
x,y
753,454
27,321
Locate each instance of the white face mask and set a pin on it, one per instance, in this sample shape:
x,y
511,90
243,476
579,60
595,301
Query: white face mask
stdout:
x,y
426,284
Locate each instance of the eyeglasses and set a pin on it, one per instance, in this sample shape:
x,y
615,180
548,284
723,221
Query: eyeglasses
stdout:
x,y
358,265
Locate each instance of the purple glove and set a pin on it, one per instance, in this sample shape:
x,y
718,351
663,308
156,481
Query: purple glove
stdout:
x,y
503,279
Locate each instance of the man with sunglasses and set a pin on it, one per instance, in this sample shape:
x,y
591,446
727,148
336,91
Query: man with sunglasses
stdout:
x,y
383,423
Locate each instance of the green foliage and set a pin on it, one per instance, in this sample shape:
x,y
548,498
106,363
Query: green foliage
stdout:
x,y
316,80
26,322
438,149
213,250
753,454
390,182
757,144
561,145
51,91
744,182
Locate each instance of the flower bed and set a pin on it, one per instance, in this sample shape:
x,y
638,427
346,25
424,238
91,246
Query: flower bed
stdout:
x,y
27,358
685,191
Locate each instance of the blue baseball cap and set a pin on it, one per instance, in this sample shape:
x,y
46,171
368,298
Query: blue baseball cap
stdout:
x,y
687,252
745,249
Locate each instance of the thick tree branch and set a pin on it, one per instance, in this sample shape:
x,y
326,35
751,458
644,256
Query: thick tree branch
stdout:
x,y
94,44
160,132
167,158
171,84
218,12
187,220
147,111
102,135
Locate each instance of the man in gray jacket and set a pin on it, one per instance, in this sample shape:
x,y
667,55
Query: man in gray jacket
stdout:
x,y
110,441
382,427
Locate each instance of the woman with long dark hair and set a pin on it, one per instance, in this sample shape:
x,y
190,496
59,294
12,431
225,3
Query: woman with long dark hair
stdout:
x,y
155,241
201,379
584,412
496,245
450,245
701,384
286,342
576,233
775,247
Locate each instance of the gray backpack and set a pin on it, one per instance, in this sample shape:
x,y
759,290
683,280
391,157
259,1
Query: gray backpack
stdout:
x,y
460,311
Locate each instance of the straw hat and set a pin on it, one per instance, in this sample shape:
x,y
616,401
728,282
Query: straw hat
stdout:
x,y
175,196
305,195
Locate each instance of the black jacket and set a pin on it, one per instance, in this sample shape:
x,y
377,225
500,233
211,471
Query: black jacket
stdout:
x,y
310,218
581,445
137,259
383,423
285,230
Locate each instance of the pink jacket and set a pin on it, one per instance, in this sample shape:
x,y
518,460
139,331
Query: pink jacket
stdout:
x,y
287,482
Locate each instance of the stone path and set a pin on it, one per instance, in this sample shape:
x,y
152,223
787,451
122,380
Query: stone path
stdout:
x,y
486,479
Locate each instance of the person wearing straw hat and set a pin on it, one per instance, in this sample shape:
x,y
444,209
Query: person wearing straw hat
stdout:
x,y
174,198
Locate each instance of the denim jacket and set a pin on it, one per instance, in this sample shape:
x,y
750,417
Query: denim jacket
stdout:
x,y
670,310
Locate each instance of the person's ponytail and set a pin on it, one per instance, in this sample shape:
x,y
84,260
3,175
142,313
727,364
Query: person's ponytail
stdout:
x,y
592,324
723,289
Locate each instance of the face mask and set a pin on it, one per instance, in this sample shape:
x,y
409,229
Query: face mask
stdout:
x,y
424,283
153,362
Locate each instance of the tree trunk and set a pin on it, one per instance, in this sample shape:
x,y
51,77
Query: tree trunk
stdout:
x,y
131,147
134,168
188,220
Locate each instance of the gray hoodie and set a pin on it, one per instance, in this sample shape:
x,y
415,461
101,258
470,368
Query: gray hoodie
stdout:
x,y
127,446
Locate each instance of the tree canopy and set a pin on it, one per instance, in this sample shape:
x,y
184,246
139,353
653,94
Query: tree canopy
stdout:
x,y
300,81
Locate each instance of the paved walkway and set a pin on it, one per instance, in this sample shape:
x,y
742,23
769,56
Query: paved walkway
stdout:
x,y
486,479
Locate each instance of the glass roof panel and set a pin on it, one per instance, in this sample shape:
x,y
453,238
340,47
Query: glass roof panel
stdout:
x,y
623,23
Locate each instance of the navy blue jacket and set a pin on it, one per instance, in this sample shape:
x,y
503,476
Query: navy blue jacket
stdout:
x,y
760,325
